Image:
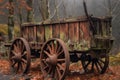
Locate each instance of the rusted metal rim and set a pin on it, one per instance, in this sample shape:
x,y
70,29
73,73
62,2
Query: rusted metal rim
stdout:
x,y
95,64
55,59
20,56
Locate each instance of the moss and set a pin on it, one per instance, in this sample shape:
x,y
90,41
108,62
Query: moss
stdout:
x,y
48,32
4,29
115,59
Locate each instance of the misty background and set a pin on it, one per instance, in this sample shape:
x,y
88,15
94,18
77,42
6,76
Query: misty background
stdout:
x,y
62,9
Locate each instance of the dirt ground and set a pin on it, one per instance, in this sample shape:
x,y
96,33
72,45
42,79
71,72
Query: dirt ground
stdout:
x,y
113,73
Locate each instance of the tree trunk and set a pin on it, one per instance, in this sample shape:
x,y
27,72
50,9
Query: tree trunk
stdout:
x,y
11,21
44,9
30,12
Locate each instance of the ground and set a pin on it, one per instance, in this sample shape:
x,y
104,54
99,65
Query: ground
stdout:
x,y
113,73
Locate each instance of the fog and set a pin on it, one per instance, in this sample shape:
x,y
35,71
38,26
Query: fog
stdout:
x,y
73,8
59,9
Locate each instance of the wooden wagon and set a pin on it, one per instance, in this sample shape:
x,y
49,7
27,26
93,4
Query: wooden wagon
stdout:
x,y
59,43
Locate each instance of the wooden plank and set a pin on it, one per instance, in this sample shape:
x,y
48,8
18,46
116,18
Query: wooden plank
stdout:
x,y
88,35
64,32
81,31
85,30
76,32
56,31
71,32
40,33
103,28
107,28
30,34
35,33
48,32
25,32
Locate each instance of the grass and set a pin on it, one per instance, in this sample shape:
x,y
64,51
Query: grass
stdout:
x,y
4,29
115,59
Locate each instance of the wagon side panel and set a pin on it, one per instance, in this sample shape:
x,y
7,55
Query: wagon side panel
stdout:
x,y
24,32
85,37
56,31
76,32
76,35
64,32
71,32
40,33
48,32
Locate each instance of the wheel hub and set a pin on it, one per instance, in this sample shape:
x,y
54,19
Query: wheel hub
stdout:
x,y
52,59
18,57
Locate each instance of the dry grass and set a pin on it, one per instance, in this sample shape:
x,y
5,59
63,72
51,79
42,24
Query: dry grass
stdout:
x,y
4,29
115,59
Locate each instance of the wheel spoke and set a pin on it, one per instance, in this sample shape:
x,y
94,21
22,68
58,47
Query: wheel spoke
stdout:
x,y
60,66
61,60
15,48
13,52
53,71
13,64
18,67
59,48
18,46
49,70
21,66
22,48
13,57
44,62
24,61
100,65
97,66
53,49
59,73
86,65
45,67
92,67
60,52
24,54
50,49
48,54
101,61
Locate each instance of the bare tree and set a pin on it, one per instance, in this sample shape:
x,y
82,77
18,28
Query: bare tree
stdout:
x,y
11,20
30,12
44,9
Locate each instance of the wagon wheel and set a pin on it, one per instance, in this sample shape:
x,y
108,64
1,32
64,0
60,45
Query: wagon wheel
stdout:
x,y
55,59
20,56
97,64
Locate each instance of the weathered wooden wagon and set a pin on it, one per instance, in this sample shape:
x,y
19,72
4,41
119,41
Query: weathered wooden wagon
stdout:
x,y
57,43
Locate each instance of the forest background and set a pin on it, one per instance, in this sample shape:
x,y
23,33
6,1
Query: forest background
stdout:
x,y
59,9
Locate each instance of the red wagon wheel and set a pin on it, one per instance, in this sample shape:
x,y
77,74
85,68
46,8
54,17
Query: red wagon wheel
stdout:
x,y
55,59
95,64
20,56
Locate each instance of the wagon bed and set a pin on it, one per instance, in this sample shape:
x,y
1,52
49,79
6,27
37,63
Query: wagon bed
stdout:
x,y
75,33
